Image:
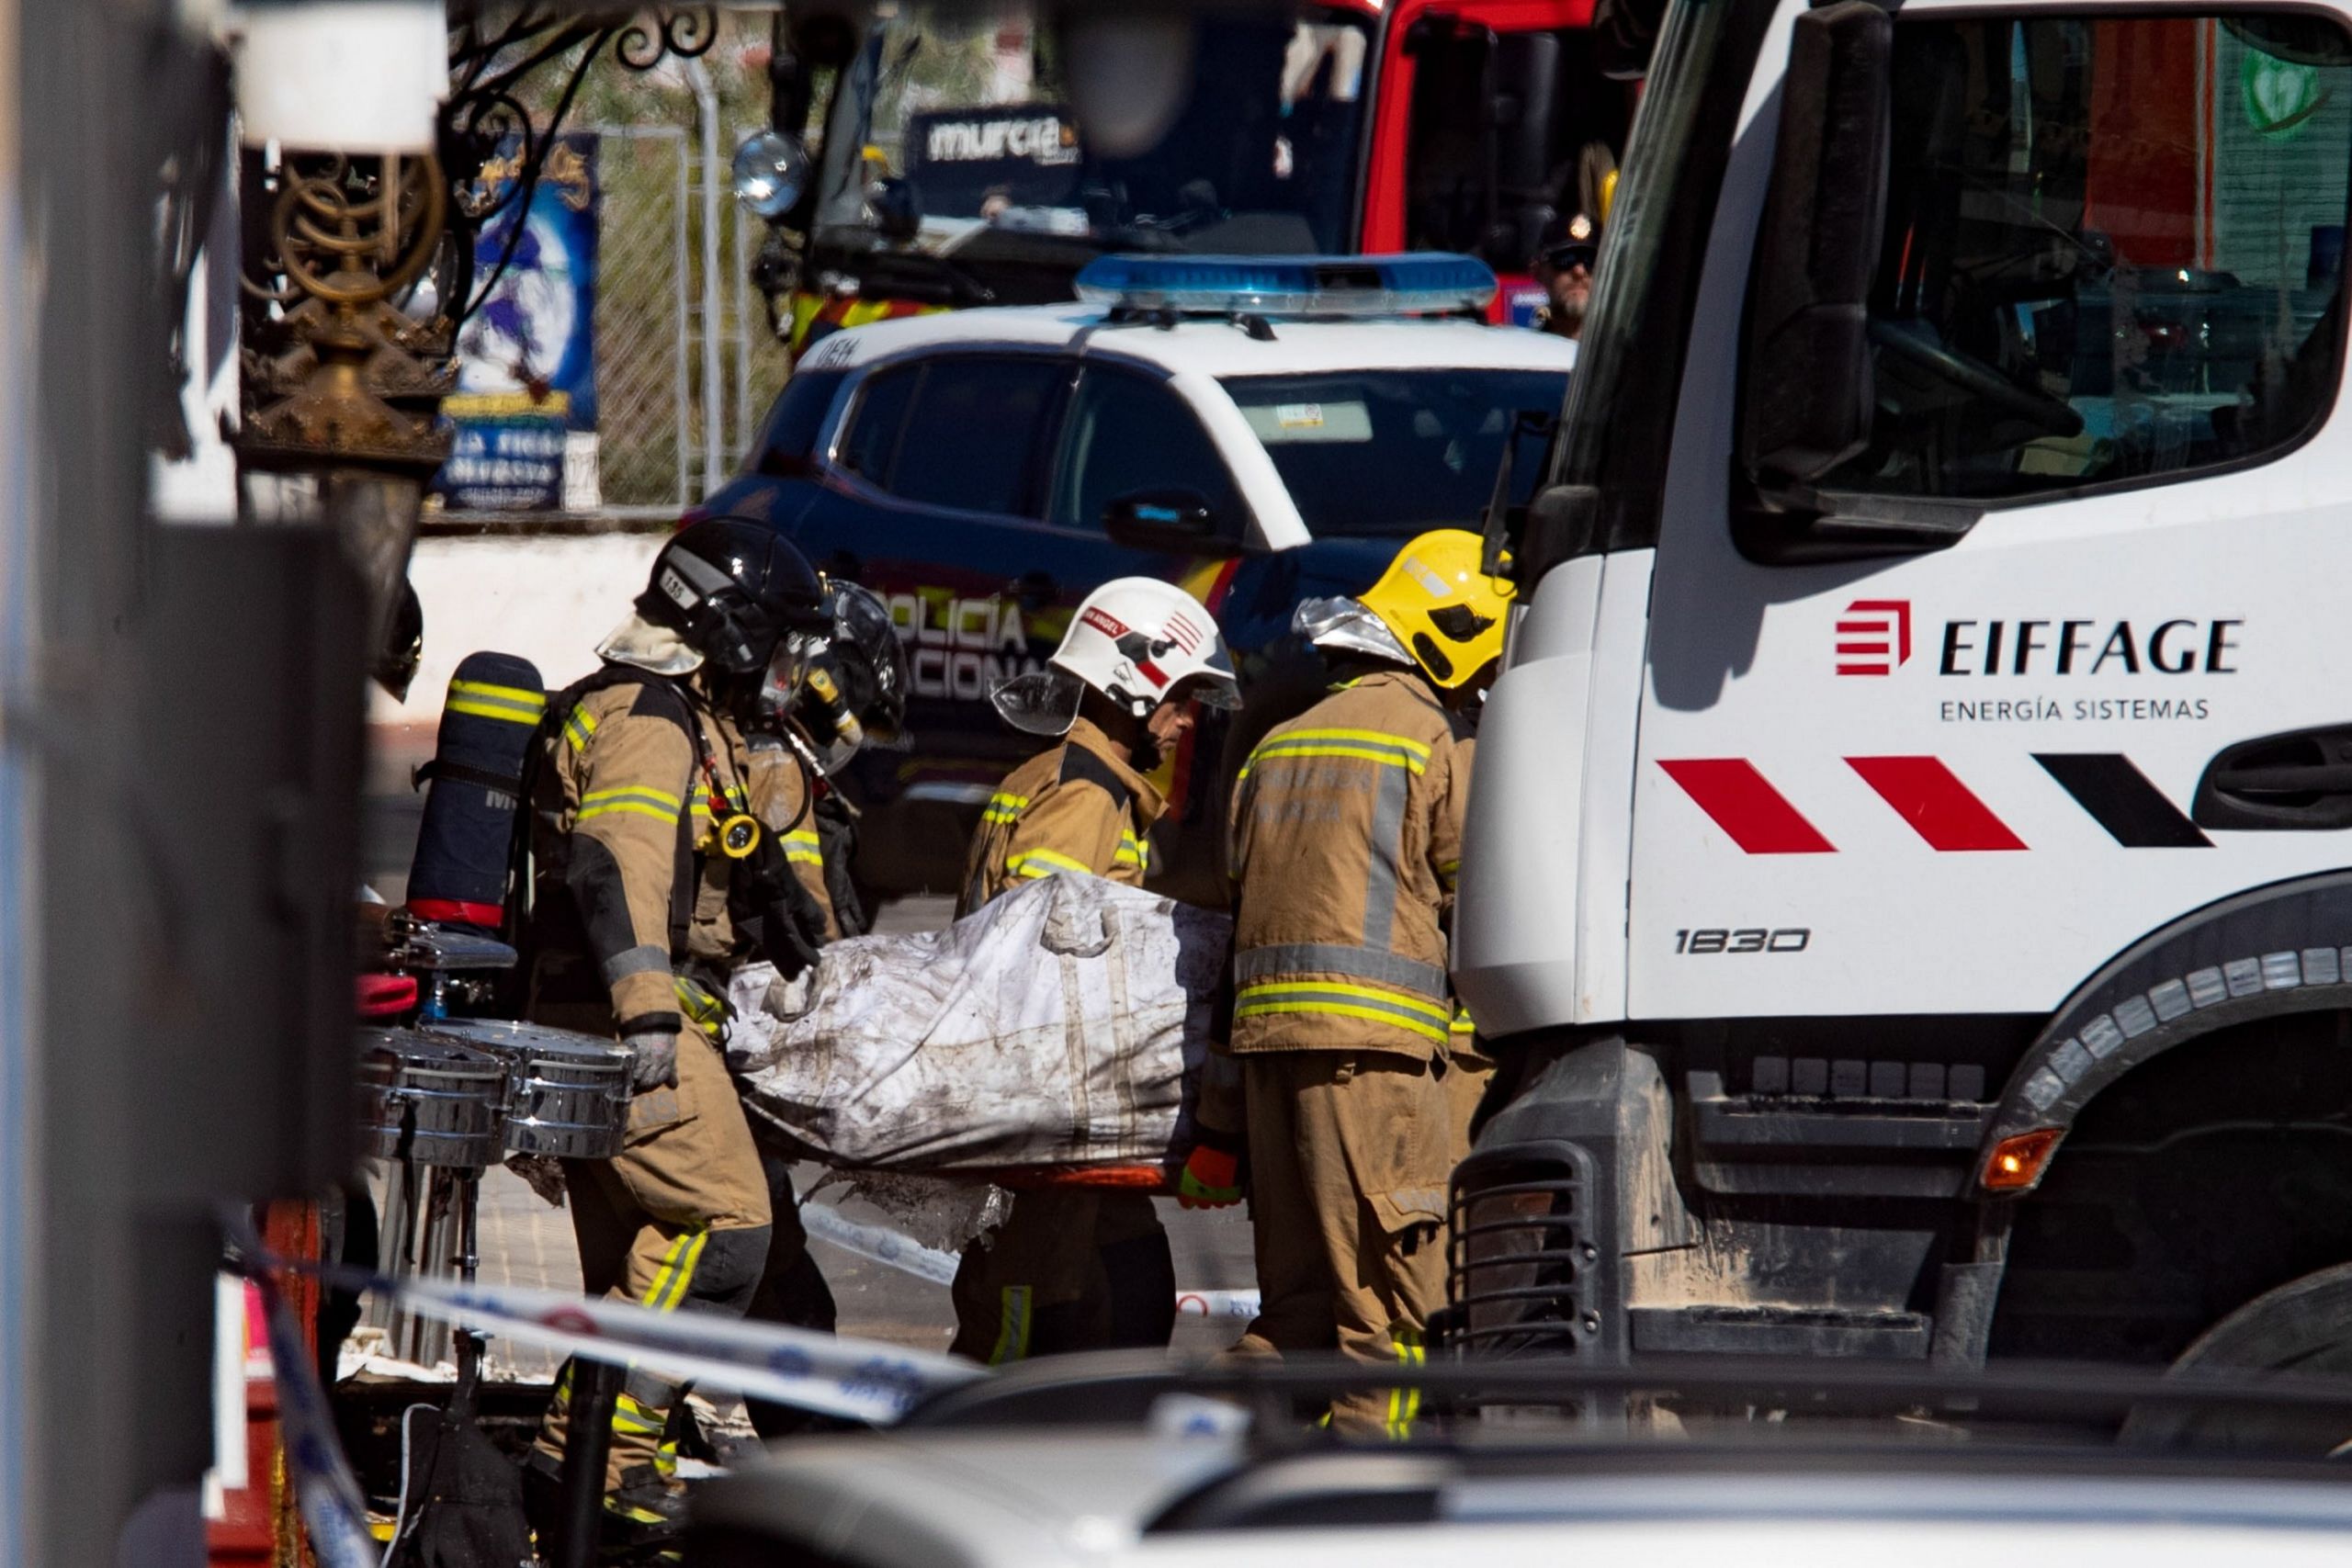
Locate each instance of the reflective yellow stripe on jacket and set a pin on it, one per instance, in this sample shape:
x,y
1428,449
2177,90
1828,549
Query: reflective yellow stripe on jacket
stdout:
x,y
801,847
1133,850
636,799
1364,745
1043,862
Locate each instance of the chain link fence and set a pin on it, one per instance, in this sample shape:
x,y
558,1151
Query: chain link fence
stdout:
x,y
685,363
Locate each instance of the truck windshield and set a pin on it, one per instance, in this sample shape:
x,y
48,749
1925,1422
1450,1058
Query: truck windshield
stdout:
x,y
966,106
1392,453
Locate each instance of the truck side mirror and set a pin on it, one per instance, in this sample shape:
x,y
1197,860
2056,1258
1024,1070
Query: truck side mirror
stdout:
x,y
897,207
1168,519
1809,394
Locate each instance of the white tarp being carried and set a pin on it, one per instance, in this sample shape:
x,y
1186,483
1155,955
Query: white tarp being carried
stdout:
x,y
1063,1023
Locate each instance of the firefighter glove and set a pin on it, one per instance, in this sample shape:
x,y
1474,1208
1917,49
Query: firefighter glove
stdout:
x,y
1211,1179
655,1062
792,929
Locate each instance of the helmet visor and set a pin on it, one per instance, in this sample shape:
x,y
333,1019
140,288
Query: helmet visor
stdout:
x,y
1210,689
1043,702
1344,625
787,668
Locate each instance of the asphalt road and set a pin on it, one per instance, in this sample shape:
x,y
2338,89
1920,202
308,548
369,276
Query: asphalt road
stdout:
x,y
1211,1248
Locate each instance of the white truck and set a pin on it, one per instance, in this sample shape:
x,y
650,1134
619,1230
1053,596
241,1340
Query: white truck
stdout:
x,y
1905,880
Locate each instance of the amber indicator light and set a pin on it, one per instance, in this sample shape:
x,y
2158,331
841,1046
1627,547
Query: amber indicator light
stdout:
x,y
2015,1162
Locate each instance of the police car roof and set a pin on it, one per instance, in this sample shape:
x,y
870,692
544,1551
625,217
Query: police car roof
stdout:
x,y
1208,346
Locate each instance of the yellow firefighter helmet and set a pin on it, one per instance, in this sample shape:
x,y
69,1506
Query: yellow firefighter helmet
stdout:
x,y
1442,606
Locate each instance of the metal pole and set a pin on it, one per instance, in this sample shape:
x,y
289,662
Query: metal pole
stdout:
x,y
587,1446
90,1424
714,392
25,1478
742,337
685,411
468,1198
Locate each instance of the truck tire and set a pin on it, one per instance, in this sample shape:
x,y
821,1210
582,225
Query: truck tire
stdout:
x,y
2303,1326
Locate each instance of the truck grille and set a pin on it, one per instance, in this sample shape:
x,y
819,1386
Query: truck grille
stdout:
x,y
1516,1261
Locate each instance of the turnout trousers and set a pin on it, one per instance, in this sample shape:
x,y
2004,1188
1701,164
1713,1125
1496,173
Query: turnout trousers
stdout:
x,y
1071,1268
678,1220
1348,1156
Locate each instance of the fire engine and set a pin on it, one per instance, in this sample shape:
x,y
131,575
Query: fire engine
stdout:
x,y
1905,872
953,171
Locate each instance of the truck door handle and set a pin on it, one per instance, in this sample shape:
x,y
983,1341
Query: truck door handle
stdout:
x,y
1035,590
2298,779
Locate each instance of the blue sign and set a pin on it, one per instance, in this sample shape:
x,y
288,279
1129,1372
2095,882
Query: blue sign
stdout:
x,y
527,356
510,463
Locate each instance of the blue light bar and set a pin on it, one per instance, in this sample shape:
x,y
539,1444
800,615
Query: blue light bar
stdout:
x,y
1421,282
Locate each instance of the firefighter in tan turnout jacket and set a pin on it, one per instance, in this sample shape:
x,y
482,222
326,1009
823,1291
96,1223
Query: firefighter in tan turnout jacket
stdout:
x,y
854,693
654,876
1347,833
1077,1269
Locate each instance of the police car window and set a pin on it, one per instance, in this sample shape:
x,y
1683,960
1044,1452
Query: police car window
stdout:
x,y
974,433
2114,250
793,421
1391,453
881,415
1127,433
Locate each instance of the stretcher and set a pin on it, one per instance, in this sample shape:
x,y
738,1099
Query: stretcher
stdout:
x,y
1056,1037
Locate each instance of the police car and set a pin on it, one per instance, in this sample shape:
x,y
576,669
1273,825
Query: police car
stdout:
x,y
1259,430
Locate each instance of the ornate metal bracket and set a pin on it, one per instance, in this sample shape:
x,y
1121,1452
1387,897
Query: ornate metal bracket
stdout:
x,y
336,372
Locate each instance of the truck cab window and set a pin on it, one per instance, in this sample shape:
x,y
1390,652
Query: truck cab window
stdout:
x,y
2114,250
1489,184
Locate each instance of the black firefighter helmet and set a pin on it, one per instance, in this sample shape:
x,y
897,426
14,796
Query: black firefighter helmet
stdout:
x,y
867,660
733,588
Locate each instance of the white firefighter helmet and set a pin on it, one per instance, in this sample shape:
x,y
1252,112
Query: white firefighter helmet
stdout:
x,y
1136,640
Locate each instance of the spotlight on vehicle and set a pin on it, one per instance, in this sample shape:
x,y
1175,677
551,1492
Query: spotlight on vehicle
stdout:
x,y
771,173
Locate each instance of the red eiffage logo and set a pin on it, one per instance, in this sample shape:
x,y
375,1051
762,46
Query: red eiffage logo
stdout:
x,y
1873,636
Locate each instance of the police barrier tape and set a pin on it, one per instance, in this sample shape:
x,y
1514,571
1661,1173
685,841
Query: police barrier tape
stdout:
x,y
858,1379
335,1511
881,1245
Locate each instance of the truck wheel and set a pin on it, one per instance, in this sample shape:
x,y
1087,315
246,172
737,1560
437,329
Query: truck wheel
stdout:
x,y
2303,1328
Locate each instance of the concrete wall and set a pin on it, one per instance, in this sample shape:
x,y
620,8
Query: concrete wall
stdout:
x,y
547,599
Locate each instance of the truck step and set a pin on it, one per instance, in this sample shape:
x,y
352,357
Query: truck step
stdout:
x,y
1781,1331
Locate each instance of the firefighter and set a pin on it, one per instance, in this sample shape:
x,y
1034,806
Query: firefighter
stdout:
x,y
1346,835
642,834
1571,245
851,695
854,696
1077,1269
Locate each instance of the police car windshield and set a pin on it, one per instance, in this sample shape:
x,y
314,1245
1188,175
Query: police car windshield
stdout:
x,y
1395,452
966,106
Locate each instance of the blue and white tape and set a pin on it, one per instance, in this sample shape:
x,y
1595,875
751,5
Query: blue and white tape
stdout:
x,y
881,1245
858,1379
